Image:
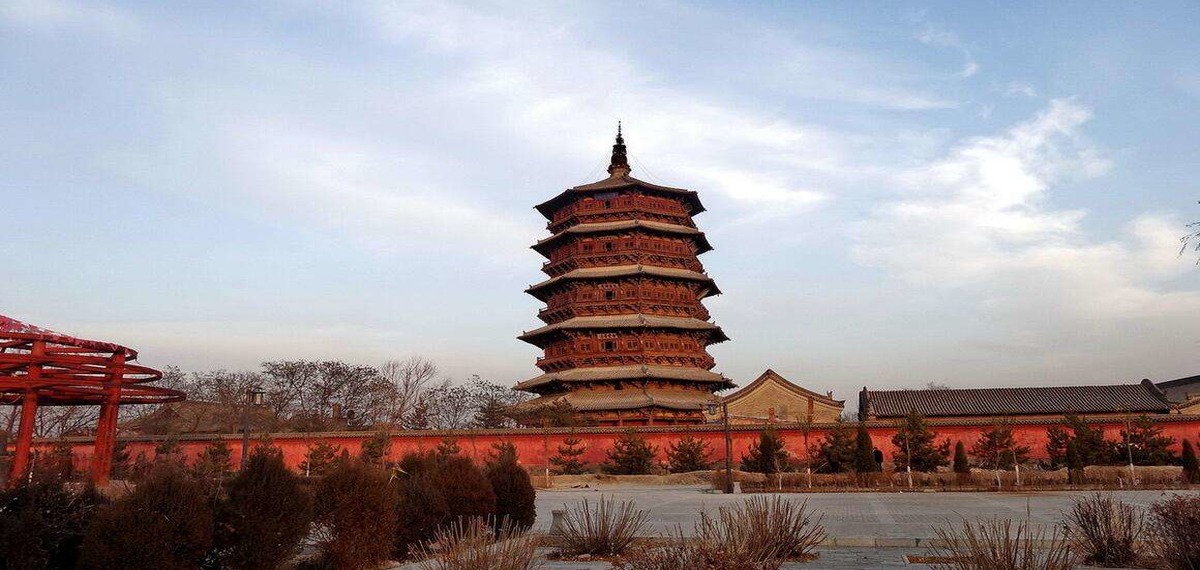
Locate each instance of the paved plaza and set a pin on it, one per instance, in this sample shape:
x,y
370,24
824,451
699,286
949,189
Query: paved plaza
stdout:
x,y
850,519
866,530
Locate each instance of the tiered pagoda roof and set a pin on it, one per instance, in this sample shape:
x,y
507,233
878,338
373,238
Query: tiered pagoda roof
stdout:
x,y
626,333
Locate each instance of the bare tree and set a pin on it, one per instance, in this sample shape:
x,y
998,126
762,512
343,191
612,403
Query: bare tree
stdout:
x,y
407,381
449,406
1191,240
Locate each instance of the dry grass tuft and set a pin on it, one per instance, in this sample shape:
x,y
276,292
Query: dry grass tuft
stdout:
x,y
763,528
1174,532
605,528
999,544
475,544
1105,530
695,554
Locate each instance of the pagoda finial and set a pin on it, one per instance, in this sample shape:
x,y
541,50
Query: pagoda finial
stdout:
x,y
620,163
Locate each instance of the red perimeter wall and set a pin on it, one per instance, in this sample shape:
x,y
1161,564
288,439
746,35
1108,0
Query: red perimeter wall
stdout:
x,y
534,445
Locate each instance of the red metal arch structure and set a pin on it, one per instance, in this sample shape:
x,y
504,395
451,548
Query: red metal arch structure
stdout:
x,y
40,367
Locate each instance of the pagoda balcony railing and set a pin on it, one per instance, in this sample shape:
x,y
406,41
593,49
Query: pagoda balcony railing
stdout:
x,y
619,358
574,261
609,308
595,215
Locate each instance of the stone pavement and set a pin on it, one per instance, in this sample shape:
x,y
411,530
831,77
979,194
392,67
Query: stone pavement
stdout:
x,y
850,519
830,559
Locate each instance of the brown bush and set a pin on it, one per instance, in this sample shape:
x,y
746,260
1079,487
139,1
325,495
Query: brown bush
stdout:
x,y
998,544
421,511
1106,530
266,515
515,496
763,528
165,522
473,544
691,554
465,488
605,528
42,524
356,516
1174,532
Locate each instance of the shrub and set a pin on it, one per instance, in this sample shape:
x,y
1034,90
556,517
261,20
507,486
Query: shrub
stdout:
x,y
356,514
1074,464
1174,532
42,524
998,544
763,529
766,455
1105,530
915,446
375,450
515,496
58,463
603,529
568,460
1056,447
1090,443
1191,468
414,463
266,515
864,456
465,488
472,544
630,455
213,466
447,447
165,522
688,454
319,459
1146,443
690,554
420,511
961,465
838,449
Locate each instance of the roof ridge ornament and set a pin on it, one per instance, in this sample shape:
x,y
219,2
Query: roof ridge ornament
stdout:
x,y
619,165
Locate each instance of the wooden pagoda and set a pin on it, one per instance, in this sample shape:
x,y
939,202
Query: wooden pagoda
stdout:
x,y
626,332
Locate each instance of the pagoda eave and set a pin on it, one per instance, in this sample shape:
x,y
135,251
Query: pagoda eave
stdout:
x,y
702,245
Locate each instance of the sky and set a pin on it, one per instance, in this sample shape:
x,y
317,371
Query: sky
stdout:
x,y
898,193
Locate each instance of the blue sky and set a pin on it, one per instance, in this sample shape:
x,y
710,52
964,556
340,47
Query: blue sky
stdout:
x,y
898,193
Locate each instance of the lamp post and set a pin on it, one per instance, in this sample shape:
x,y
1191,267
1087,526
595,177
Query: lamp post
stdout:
x,y
712,411
254,397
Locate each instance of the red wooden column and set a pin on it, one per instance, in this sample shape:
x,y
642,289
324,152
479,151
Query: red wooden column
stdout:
x,y
24,437
106,427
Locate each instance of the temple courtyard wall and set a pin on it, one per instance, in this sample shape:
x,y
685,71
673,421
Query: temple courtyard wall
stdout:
x,y
535,446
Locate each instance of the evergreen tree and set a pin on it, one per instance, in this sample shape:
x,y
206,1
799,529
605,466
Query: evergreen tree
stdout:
x,y
630,455
319,459
998,449
688,454
502,451
568,460
864,456
169,450
1093,449
121,462
448,447
1056,446
266,515
515,495
1074,463
916,446
767,455
1191,467
838,448
961,465
214,465
492,414
1147,444
376,449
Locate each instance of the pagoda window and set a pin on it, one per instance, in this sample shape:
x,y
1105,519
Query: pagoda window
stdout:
x,y
610,345
608,246
609,295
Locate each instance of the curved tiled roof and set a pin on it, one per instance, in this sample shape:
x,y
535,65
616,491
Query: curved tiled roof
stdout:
x,y
628,322
616,182
626,270
628,399
645,372
601,227
1115,399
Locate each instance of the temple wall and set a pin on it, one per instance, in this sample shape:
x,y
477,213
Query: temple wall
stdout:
x,y
535,445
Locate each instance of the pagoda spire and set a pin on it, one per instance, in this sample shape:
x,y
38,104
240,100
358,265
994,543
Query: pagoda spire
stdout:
x,y
619,166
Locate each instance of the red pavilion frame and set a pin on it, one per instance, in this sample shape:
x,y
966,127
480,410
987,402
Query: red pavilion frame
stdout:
x,y
39,367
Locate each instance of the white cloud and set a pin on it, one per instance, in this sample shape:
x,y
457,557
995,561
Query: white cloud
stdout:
x,y
48,15
937,37
980,222
1020,89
